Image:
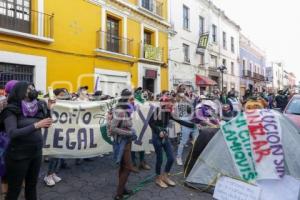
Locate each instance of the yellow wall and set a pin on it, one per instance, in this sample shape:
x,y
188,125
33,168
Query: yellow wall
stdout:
x,y
73,51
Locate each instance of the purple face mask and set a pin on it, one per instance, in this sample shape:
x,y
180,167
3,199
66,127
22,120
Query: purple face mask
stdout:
x,y
30,109
132,108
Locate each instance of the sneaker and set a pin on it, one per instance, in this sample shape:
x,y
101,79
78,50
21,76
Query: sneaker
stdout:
x,y
179,161
56,178
49,181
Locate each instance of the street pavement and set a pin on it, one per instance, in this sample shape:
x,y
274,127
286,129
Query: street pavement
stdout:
x,y
97,180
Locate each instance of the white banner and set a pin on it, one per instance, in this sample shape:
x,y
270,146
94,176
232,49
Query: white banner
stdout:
x,y
79,129
266,143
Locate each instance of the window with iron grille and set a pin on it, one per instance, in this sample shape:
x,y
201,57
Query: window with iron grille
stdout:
x,y
186,18
10,71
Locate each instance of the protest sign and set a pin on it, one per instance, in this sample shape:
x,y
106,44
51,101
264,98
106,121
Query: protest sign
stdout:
x,y
79,129
266,143
140,121
75,132
231,189
236,135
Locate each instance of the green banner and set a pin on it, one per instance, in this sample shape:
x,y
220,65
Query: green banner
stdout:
x,y
153,53
237,137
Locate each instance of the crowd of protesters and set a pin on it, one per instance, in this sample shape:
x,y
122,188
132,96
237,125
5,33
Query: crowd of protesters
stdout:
x,y
23,115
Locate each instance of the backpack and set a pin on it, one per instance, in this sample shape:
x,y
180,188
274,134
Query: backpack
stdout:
x,y
109,118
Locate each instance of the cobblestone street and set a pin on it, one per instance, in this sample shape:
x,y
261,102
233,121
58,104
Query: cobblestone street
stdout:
x,y
96,180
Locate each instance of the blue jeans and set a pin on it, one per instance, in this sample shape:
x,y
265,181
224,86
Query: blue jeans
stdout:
x,y
53,165
159,146
185,136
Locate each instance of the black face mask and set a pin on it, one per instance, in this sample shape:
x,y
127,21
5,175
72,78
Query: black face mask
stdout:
x,y
33,94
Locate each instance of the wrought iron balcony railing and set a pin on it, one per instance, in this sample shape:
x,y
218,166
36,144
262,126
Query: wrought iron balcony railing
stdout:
x,y
114,43
150,52
27,21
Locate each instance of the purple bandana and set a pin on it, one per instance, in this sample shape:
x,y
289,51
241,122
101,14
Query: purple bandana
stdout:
x,y
30,109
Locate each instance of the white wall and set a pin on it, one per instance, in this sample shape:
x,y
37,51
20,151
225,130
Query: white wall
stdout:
x,y
231,31
177,68
223,24
39,63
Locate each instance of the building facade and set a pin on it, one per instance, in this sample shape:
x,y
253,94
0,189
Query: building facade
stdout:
x,y
252,65
186,26
289,80
292,81
275,74
109,46
223,48
286,79
198,67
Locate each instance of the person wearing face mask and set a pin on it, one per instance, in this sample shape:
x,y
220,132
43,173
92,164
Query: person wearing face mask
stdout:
x,y
83,94
138,96
122,130
23,119
159,123
51,179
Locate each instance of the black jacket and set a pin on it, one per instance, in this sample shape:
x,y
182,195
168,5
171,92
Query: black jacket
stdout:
x,y
160,119
25,140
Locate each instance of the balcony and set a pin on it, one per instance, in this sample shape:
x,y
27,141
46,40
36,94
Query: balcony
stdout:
x,y
262,77
152,6
258,77
114,44
27,23
151,53
246,73
213,71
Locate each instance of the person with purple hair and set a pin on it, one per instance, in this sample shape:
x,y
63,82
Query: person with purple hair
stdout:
x,y
8,87
3,136
23,118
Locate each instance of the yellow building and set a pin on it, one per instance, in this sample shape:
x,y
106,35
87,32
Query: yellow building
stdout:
x,y
104,44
